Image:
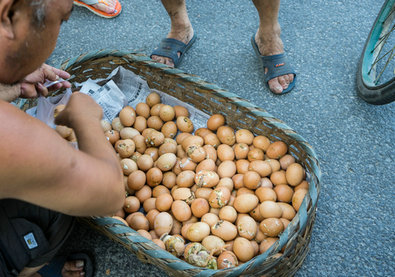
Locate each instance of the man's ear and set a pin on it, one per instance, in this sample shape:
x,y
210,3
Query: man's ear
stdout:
x,y
6,15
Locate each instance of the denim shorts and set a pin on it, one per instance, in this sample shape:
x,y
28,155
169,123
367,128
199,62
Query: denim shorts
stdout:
x,y
30,235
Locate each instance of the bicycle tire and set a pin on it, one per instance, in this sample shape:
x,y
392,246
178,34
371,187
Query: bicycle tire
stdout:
x,y
375,94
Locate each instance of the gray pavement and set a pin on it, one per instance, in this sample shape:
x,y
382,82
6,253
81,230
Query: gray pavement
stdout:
x,y
354,229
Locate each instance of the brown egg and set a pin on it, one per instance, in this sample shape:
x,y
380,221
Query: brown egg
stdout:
x,y
213,244
155,109
203,193
144,193
261,142
211,152
149,204
202,132
128,133
142,109
288,211
116,124
274,164
159,243
211,139
139,142
227,259
241,151
163,202
303,185
131,204
140,124
167,113
284,193
241,191
120,219
215,121
185,179
154,122
64,131
199,207
153,137
125,147
219,197
127,116
184,194
198,231
153,152
152,99
184,229
255,154
210,218
256,214
266,194
298,197
226,169
263,168
196,153
226,135
166,161
225,152
181,210
243,249
226,182
271,227
154,235
145,234
245,203
128,166
154,176
286,160
266,183
270,209
136,180
145,162
224,230
276,150
187,164
193,219
238,181
247,227
169,129
184,124
169,179
251,179
180,152
151,217
259,235
242,166
206,179
176,230
228,213
137,221
244,136
181,136
163,223
192,141
181,111
206,164
168,147
159,190
106,126
266,244
278,178
294,174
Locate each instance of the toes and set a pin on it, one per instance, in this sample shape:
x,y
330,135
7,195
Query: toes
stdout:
x,y
74,265
283,82
275,86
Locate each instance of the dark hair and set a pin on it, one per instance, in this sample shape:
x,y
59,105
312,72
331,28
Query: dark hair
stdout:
x,y
39,11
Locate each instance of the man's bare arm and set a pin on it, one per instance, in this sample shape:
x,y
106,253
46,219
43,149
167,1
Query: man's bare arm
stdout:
x,y
38,166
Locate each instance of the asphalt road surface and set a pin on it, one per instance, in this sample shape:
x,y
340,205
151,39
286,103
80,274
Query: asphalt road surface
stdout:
x,y
354,229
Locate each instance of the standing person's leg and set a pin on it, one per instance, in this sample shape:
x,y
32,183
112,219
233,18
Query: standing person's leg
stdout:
x,y
268,40
180,30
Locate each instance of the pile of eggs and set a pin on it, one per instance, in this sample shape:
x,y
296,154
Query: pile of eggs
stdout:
x,y
215,197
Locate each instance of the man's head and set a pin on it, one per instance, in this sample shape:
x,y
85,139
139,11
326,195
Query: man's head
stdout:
x,y
28,34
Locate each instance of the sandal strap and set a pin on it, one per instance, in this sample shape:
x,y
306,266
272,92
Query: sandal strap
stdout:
x,y
93,2
170,47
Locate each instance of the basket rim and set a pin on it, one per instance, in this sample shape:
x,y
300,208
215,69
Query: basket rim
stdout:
x,y
233,98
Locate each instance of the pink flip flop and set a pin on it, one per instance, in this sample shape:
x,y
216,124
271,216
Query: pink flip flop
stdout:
x,y
88,4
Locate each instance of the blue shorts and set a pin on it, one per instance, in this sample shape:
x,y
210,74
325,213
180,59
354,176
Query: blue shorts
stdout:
x,y
30,235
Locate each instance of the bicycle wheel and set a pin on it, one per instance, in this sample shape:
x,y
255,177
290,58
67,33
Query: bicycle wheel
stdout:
x,y
376,68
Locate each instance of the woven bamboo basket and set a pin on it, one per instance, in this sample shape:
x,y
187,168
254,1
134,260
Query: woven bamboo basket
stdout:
x,y
294,241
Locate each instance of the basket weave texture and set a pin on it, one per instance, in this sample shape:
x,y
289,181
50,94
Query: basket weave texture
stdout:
x,y
239,114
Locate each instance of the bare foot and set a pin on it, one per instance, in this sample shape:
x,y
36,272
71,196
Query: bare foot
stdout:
x,y
184,34
270,43
73,268
107,6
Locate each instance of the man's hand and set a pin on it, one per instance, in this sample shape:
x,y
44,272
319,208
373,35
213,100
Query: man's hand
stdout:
x,y
33,84
80,109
